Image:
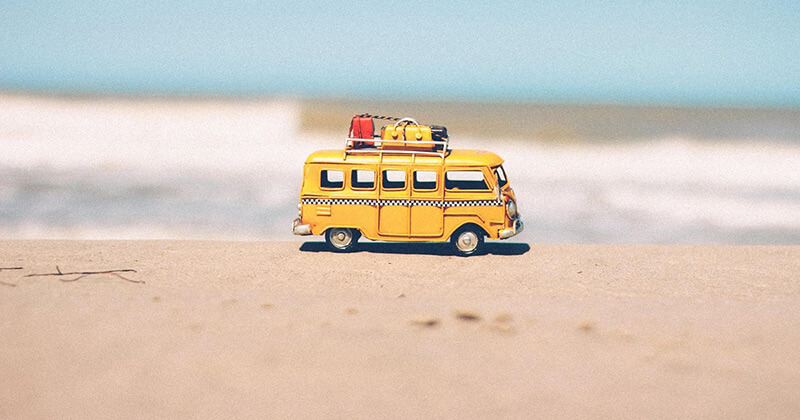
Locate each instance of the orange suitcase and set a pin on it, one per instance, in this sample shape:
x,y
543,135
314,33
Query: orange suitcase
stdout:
x,y
416,137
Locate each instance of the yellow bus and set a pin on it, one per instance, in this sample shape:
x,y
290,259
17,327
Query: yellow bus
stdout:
x,y
409,191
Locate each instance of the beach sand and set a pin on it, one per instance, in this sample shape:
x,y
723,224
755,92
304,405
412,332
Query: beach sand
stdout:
x,y
285,330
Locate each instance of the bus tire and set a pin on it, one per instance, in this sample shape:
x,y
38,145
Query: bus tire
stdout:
x,y
467,240
342,239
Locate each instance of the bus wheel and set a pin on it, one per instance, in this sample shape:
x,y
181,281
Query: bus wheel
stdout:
x,y
341,239
467,241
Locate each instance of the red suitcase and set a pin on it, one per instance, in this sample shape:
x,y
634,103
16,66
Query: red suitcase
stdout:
x,y
362,127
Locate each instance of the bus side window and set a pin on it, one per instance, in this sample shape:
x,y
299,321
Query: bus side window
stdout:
x,y
424,180
394,179
332,180
465,180
361,179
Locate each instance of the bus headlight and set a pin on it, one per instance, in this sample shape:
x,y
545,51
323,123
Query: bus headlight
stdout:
x,y
511,208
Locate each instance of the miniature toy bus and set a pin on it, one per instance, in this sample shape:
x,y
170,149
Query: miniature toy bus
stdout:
x,y
406,185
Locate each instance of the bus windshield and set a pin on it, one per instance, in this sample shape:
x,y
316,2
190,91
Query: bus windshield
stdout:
x,y
501,176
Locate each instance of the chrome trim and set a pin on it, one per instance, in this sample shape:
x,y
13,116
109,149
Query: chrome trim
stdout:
x,y
510,203
514,230
299,229
467,241
350,149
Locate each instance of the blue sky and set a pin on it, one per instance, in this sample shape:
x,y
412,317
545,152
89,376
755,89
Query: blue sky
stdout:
x,y
732,52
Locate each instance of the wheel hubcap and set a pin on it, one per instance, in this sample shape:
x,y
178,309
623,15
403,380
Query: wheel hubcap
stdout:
x,y
467,241
341,238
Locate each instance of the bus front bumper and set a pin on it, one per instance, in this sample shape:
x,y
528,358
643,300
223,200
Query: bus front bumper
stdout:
x,y
299,229
516,228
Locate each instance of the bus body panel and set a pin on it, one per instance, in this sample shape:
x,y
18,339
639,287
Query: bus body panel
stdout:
x,y
421,208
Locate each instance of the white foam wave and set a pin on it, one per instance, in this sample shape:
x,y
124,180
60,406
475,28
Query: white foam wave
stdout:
x,y
228,136
164,169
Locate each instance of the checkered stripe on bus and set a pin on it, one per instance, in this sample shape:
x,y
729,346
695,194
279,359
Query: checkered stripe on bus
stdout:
x,y
432,203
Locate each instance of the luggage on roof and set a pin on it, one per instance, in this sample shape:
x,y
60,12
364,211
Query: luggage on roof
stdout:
x,y
439,133
404,134
362,127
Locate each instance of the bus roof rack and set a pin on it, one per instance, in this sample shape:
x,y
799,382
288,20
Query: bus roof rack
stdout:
x,y
398,147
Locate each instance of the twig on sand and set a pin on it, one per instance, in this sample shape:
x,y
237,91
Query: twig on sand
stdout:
x,y
9,268
82,274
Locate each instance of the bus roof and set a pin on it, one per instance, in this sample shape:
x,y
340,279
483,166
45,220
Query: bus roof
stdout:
x,y
453,157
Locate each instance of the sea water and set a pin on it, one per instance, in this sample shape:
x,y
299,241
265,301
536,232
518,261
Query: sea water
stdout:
x,y
90,168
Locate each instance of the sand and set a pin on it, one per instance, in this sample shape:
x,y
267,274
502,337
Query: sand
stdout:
x,y
285,330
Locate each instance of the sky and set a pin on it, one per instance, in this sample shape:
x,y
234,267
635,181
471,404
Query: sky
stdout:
x,y
701,52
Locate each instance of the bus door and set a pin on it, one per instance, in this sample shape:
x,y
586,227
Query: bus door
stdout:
x,y
393,206
426,213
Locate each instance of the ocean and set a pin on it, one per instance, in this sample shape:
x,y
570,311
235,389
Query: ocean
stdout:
x,y
160,168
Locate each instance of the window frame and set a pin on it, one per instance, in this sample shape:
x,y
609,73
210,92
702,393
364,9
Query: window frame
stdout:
x,y
414,180
498,170
457,190
405,180
374,180
343,181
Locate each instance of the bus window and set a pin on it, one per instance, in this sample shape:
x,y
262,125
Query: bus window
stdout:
x,y
361,179
501,176
465,180
424,180
332,180
394,179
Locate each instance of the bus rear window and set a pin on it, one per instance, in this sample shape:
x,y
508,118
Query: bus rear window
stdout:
x,y
331,179
465,180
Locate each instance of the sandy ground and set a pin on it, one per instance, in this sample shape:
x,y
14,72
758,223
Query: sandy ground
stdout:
x,y
232,329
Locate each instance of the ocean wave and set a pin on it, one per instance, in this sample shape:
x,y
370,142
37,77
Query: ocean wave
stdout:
x,y
232,170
